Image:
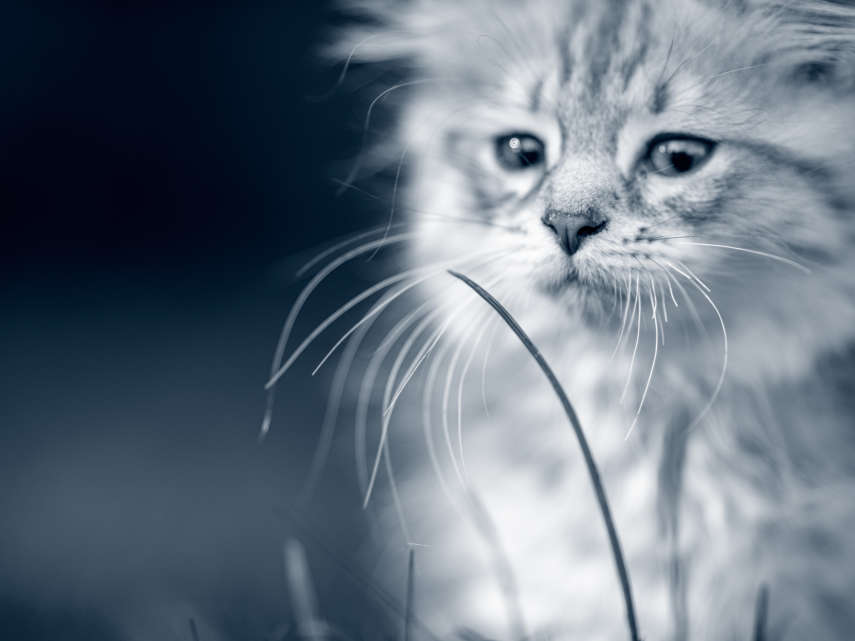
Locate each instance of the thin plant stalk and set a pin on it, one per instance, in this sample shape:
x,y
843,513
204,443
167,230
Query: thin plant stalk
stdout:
x,y
599,490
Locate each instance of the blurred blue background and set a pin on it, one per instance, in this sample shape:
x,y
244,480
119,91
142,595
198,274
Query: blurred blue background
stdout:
x,y
159,164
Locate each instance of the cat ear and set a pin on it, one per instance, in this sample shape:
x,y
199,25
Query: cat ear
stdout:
x,y
813,40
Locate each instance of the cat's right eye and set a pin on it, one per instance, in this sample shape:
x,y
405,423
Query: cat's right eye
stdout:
x,y
520,151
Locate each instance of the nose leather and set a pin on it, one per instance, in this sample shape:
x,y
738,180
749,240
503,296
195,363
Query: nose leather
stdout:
x,y
571,229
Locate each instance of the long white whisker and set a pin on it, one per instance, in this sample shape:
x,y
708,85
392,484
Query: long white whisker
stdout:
x,y
357,165
446,393
637,337
693,311
331,413
367,386
756,252
723,373
386,92
694,276
351,239
427,422
670,290
625,314
298,306
631,317
401,160
420,357
380,306
389,404
340,80
652,364
463,374
343,309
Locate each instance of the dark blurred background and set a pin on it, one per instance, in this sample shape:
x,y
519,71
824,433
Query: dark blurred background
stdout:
x,y
160,166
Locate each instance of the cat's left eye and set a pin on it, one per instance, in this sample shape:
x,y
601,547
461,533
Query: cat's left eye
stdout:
x,y
520,151
673,155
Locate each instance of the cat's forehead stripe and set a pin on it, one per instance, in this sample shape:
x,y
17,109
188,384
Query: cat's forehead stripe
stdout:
x,y
609,46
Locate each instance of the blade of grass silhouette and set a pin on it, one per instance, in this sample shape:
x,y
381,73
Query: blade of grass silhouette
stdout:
x,y
593,472
358,577
761,612
408,607
303,601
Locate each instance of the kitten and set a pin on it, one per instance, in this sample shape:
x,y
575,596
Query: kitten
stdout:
x,y
662,194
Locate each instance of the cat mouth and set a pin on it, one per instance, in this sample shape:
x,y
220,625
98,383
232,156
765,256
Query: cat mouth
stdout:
x,y
559,283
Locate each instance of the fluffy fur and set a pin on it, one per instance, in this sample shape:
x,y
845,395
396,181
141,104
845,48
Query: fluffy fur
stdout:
x,y
711,500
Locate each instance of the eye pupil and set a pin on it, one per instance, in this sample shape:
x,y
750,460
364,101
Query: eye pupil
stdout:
x,y
671,154
519,151
682,161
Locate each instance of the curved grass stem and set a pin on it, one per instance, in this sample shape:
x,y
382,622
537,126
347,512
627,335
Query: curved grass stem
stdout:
x,y
594,473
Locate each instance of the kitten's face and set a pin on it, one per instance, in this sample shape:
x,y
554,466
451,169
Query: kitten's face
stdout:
x,y
608,146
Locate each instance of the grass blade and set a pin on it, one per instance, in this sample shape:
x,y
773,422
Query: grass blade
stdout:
x,y
594,473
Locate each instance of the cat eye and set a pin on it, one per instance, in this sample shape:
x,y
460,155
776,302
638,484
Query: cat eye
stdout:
x,y
519,151
673,155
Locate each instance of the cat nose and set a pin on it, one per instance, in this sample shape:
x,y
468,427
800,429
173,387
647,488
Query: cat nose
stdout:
x,y
572,229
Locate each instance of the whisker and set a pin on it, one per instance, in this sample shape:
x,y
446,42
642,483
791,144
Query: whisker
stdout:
x,y
343,309
380,306
340,80
634,309
298,306
446,393
694,276
637,337
463,374
394,197
652,364
328,425
386,92
693,311
723,373
357,165
670,290
388,403
337,392
625,313
348,240
756,252
423,353
427,423
367,385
